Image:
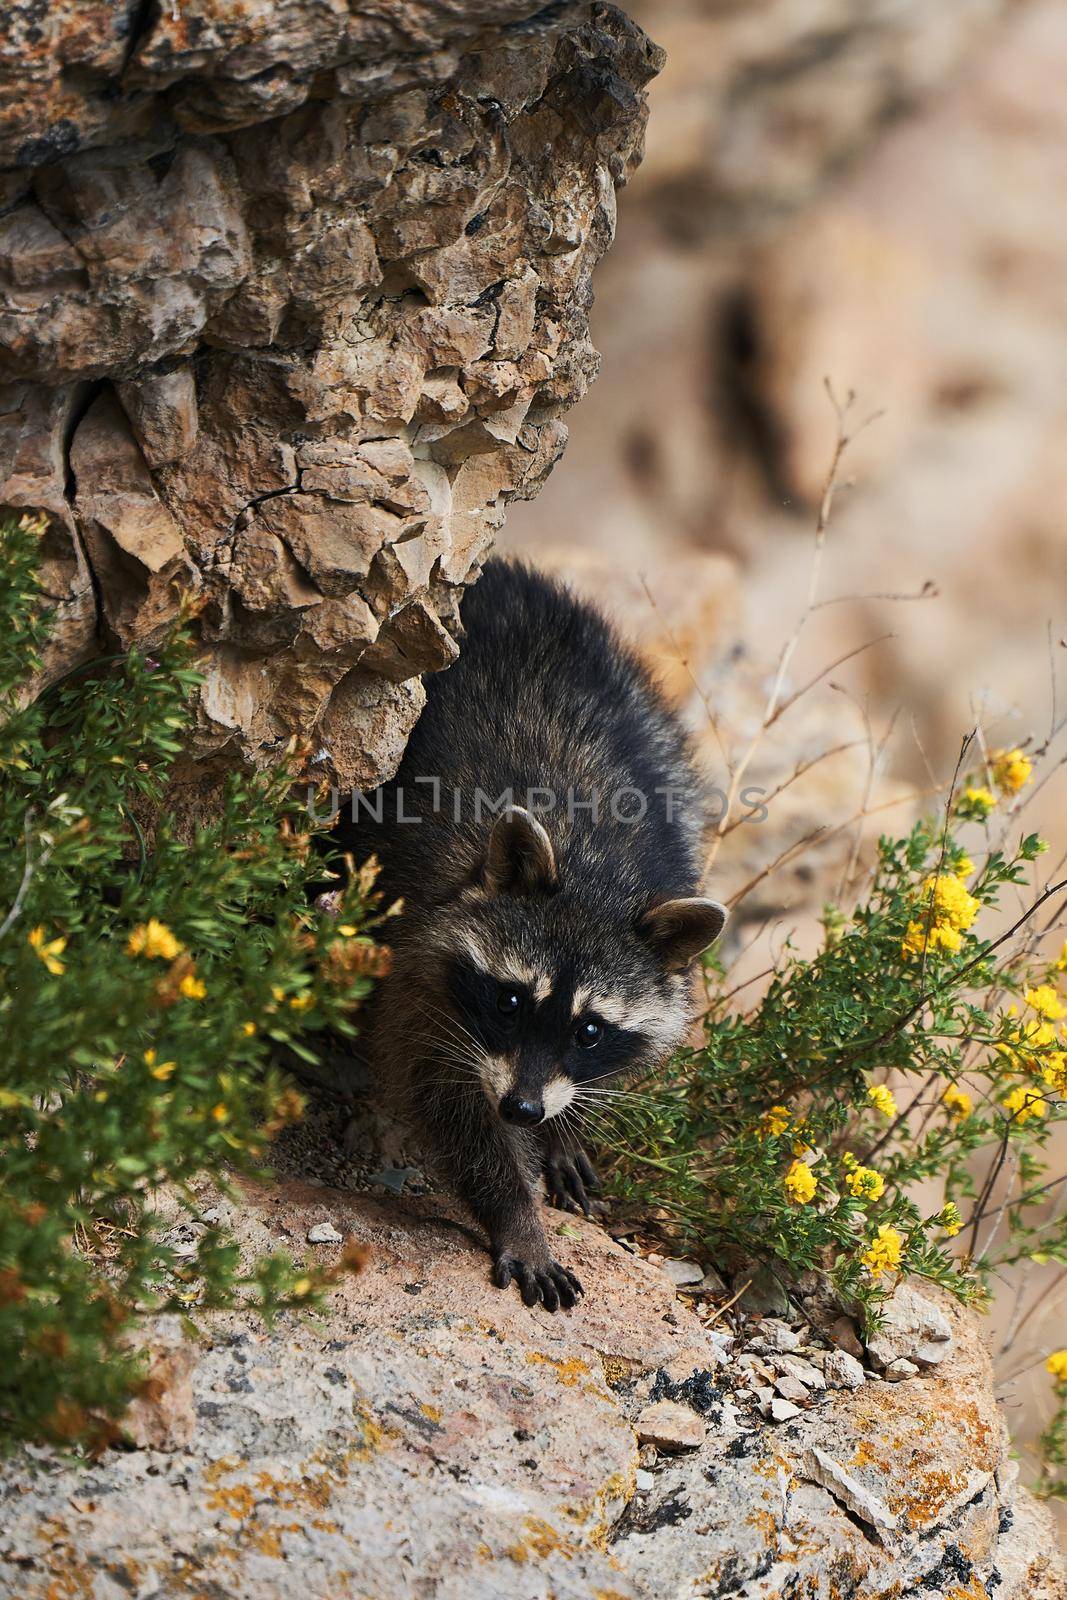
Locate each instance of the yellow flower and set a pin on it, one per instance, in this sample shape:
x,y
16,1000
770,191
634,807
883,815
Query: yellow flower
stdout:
x,y
162,1070
301,1002
866,1183
774,1122
49,951
1024,1104
978,800
220,1113
1011,770
882,1099
800,1183
958,1101
154,941
301,1287
1054,1071
1057,1365
1020,1045
884,1252
951,1220
347,931
964,867
192,987
278,992
946,911
1046,1002
248,1029
1061,960
951,902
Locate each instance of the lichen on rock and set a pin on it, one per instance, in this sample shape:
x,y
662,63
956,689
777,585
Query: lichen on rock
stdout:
x,y
433,1437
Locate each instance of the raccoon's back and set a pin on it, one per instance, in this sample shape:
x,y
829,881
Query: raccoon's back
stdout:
x,y
544,696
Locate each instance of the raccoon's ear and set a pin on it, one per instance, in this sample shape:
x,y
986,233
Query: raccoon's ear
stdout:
x,y
678,930
520,858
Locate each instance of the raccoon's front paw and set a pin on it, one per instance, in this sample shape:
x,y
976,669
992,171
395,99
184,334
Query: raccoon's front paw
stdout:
x,y
545,1280
568,1178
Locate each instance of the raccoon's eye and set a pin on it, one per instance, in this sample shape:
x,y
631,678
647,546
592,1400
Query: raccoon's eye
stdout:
x,y
588,1034
508,1002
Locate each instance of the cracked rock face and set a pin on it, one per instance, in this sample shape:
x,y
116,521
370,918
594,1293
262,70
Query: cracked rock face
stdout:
x,y
431,1438
292,299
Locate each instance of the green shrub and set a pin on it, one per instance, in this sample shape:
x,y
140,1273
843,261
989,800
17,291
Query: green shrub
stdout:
x,y
143,994
779,1136
780,1140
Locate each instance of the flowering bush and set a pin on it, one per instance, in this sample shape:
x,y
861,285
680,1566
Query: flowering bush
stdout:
x,y
143,996
919,1046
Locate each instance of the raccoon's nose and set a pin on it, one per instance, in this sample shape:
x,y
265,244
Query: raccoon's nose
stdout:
x,y
522,1112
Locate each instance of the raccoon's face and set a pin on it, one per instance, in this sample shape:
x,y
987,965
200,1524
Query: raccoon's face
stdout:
x,y
550,1001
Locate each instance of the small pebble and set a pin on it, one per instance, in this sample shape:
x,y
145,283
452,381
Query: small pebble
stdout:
x,y
645,1481
843,1335
777,1336
784,1410
803,1371
792,1389
899,1370
683,1272
843,1371
670,1427
324,1233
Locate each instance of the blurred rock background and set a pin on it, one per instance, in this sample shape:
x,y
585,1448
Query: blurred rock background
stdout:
x,y
874,196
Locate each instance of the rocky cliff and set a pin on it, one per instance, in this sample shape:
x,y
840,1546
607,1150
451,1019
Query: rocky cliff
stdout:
x,y
293,297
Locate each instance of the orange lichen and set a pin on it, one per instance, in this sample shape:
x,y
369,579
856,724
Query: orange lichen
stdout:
x,y
766,1521
237,1501
569,1372
541,1539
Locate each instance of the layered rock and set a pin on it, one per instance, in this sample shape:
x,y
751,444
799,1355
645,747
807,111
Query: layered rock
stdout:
x,y
292,299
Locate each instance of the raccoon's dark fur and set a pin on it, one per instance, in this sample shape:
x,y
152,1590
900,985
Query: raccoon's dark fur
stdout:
x,y
541,950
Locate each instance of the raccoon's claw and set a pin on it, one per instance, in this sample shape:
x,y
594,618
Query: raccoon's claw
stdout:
x,y
553,1285
567,1178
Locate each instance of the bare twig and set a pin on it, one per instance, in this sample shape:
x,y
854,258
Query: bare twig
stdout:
x,y
774,706
722,1310
824,673
929,591
798,772
27,878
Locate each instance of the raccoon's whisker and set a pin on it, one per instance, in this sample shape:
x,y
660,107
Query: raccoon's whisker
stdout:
x,y
453,1023
621,1096
598,1079
612,1138
602,1117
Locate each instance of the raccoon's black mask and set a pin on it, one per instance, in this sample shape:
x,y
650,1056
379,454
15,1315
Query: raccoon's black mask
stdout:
x,y
552,997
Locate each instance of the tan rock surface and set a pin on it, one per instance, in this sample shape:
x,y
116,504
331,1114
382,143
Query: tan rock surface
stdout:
x,y
431,1437
292,298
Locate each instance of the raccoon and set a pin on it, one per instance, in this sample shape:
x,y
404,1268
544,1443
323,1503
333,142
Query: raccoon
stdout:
x,y
543,832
